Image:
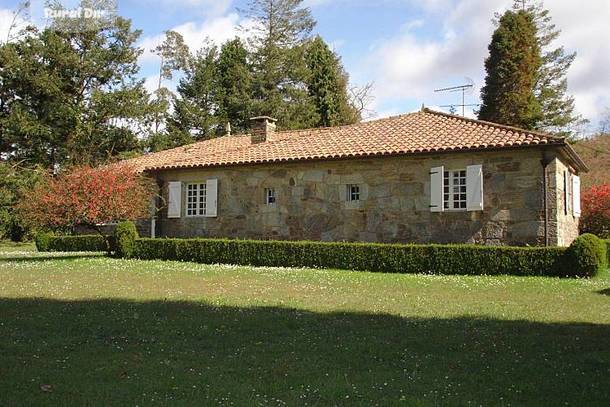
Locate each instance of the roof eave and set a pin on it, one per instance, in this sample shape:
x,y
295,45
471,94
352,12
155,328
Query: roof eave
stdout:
x,y
570,153
575,158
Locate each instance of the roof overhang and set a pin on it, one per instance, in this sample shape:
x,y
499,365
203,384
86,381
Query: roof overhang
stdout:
x,y
573,156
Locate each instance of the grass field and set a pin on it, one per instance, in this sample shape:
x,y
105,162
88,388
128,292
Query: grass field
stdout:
x,y
80,329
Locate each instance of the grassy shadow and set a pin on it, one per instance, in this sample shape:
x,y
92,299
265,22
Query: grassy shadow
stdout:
x,y
22,258
605,291
111,352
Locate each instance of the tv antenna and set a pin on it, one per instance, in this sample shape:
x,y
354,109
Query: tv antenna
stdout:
x,y
466,88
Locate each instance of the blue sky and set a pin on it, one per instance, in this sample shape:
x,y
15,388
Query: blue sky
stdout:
x,y
407,48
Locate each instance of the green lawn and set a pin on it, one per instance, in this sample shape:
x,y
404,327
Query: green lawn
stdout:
x,y
87,330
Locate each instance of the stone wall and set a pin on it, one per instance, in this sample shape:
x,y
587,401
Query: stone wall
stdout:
x,y
394,206
564,223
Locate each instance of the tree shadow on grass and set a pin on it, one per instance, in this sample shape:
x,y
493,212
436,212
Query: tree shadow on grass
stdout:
x,y
50,257
111,352
605,291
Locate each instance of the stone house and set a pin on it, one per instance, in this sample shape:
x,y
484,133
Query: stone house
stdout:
x,y
421,177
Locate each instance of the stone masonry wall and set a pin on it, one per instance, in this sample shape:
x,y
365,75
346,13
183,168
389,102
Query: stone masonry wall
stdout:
x,y
564,223
394,206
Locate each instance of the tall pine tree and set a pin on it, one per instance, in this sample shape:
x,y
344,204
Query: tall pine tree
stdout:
x,y
234,86
196,108
512,67
327,85
281,28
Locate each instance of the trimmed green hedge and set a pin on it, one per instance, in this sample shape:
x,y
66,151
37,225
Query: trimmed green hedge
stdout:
x,y
431,259
81,243
585,258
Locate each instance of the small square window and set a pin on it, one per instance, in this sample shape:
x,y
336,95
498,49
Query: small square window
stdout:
x,y
269,196
353,192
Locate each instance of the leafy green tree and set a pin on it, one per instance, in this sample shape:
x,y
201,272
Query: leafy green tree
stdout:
x,y
558,111
15,182
514,61
71,97
327,85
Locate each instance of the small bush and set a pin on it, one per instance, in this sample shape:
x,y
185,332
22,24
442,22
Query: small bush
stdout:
x,y
391,258
587,255
80,243
125,236
43,240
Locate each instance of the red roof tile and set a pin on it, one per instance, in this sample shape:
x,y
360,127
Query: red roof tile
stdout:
x,y
420,132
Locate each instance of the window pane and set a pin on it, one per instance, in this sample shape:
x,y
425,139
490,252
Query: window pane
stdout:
x,y
353,192
269,196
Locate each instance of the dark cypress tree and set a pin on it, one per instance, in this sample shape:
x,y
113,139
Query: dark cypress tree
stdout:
x,y
514,61
558,112
327,85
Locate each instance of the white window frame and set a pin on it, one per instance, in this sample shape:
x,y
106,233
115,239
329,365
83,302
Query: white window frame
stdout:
x,y
353,192
196,199
449,194
270,196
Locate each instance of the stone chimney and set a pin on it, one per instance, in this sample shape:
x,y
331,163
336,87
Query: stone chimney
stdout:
x,y
261,127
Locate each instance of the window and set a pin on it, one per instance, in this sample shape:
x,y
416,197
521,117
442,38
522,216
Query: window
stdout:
x,y
454,190
196,199
270,196
353,192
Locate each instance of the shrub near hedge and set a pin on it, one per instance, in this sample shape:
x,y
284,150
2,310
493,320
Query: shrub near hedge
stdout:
x,y
81,243
587,254
42,241
432,259
125,235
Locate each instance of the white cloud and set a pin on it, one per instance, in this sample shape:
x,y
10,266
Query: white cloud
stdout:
x,y
209,8
8,22
217,30
410,65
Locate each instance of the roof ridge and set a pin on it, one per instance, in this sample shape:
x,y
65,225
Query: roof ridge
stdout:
x,y
492,124
321,129
310,130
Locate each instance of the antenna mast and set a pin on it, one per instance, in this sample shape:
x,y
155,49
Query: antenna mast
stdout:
x,y
460,88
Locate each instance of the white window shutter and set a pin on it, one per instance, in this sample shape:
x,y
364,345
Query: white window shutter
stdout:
x,y
436,189
576,195
474,188
174,205
211,199
566,199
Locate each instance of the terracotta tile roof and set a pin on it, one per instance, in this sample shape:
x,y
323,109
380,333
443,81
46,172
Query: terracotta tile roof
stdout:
x,y
420,132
